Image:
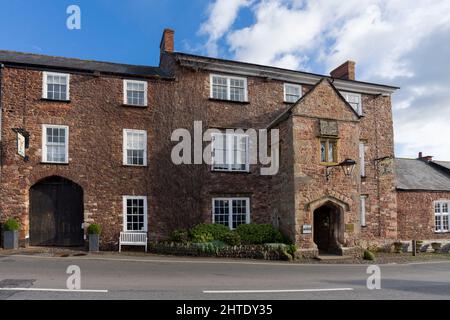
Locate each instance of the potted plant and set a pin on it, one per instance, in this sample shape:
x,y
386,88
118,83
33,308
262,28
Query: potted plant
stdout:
x,y
436,246
398,247
94,231
11,234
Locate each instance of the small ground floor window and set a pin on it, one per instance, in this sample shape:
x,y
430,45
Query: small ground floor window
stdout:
x,y
231,212
135,213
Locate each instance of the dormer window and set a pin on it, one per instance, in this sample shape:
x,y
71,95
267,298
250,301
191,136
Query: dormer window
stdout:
x,y
228,88
135,93
354,99
56,86
292,92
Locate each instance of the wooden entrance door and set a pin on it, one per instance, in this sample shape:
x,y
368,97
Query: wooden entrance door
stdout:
x,y
322,228
56,213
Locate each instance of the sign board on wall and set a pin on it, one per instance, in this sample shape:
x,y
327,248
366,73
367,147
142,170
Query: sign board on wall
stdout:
x,y
306,229
21,144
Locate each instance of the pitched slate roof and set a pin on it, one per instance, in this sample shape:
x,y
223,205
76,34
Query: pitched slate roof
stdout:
x,y
414,174
61,63
445,164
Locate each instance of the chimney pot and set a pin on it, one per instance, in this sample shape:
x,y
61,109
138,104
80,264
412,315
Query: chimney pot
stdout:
x,y
345,71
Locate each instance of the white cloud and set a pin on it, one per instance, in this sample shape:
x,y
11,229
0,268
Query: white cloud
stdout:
x,y
222,14
399,42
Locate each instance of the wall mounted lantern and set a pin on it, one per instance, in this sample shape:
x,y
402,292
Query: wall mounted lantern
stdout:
x,y
348,165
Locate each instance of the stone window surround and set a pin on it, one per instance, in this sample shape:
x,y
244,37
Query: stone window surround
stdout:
x,y
363,210
125,141
441,214
124,212
45,75
229,154
347,95
228,79
230,207
297,86
327,140
44,143
125,92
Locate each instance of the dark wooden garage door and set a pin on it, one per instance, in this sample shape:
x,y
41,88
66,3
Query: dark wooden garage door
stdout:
x,y
56,213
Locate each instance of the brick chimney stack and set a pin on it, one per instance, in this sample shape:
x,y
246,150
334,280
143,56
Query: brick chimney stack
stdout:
x,y
345,71
426,158
167,41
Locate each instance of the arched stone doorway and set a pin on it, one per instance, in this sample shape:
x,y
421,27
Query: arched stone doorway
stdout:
x,y
56,213
328,230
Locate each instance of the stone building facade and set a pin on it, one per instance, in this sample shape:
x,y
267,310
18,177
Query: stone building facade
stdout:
x,y
317,198
423,197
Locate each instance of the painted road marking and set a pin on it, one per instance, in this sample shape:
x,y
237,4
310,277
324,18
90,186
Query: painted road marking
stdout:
x,y
278,291
53,290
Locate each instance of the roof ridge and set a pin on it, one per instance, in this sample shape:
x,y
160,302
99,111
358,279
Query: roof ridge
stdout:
x,y
78,59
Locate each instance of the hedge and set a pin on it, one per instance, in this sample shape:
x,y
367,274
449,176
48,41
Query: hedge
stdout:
x,y
217,249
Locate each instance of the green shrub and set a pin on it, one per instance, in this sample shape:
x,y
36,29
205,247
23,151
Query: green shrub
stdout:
x,y
231,238
208,232
94,229
11,225
208,247
219,244
202,238
436,246
181,236
259,234
368,255
292,249
398,247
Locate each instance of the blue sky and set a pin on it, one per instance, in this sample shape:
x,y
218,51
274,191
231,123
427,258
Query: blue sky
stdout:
x,y
393,42
119,31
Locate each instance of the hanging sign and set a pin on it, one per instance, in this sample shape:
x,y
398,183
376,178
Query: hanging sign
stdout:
x,y
21,144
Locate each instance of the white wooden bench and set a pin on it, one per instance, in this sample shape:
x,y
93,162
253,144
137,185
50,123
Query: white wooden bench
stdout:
x,y
133,239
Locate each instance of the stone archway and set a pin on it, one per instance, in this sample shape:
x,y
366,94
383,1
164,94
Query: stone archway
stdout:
x,y
328,227
56,213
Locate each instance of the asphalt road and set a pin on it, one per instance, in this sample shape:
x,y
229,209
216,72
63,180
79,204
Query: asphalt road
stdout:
x,y
150,277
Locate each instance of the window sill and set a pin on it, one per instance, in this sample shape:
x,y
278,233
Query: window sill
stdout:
x,y
229,171
290,103
329,164
56,163
134,106
441,232
55,100
135,165
229,101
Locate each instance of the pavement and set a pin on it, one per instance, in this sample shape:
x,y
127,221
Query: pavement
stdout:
x,y
114,276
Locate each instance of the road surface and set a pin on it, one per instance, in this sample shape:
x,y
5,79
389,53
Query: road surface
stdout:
x,y
153,277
